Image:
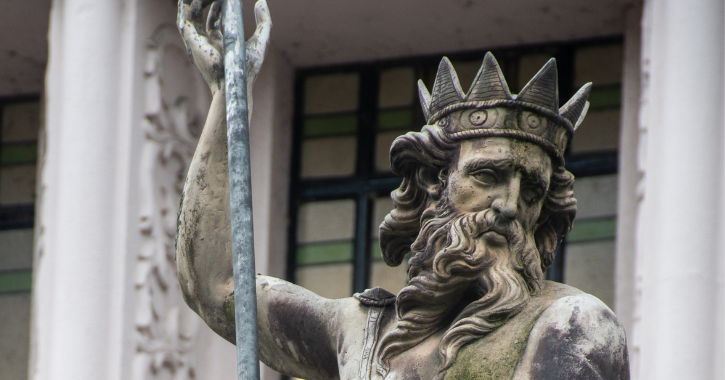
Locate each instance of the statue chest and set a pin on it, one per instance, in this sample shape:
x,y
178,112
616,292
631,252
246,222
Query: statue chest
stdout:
x,y
494,356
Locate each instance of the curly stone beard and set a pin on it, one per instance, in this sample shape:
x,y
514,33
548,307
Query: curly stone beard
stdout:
x,y
456,279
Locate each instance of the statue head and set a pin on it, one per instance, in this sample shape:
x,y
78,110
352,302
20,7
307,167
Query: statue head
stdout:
x,y
484,202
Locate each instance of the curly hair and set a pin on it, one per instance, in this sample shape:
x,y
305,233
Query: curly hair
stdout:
x,y
499,283
432,150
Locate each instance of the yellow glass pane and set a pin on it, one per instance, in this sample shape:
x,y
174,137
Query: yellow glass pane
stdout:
x,y
529,65
382,150
15,333
598,132
589,266
331,93
596,196
329,280
397,87
466,71
381,208
326,220
391,279
17,184
329,157
17,249
20,121
598,64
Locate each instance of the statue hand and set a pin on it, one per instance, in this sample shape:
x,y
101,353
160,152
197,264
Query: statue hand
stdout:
x,y
204,41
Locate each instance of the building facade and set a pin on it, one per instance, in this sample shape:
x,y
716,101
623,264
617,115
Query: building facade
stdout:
x,y
101,110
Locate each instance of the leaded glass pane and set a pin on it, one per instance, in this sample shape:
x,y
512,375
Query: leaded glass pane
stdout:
x,y
600,65
596,196
17,184
589,266
326,221
329,157
328,280
331,93
20,121
397,87
17,249
529,65
389,278
598,132
15,333
382,150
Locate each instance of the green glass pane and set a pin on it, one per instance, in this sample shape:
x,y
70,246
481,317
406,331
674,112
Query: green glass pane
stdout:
x,y
332,125
19,153
324,253
17,281
605,97
592,229
395,119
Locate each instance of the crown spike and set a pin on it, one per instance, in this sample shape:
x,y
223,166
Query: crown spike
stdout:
x,y
489,83
581,117
424,99
543,88
446,89
575,108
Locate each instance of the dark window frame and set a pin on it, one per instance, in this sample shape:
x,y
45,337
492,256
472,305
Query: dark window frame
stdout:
x,y
366,183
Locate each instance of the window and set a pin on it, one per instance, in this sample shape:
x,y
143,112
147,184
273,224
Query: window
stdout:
x,y
19,125
346,117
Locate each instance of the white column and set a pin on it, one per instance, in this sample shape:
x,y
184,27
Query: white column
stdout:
x,y
629,175
680,227
78,302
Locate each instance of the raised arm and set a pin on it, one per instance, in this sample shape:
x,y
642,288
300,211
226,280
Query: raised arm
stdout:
x,y
294,324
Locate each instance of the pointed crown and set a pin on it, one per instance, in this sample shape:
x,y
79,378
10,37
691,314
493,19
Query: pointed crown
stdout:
x,y
489,108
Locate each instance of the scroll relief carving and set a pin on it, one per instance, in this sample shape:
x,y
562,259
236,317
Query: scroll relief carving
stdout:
x,y
176,103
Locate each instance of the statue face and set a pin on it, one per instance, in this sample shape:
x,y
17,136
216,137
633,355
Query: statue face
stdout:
x,y
510,176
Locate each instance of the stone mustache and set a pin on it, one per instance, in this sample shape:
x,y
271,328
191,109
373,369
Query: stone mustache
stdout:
x,y
484,201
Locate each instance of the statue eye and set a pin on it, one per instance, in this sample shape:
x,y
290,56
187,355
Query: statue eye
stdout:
x,y
531,194
485,176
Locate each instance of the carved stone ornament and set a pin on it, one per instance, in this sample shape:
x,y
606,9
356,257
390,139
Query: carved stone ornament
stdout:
x,y
484,201
174,115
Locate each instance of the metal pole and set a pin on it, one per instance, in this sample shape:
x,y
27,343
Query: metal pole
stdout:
x,y
240,191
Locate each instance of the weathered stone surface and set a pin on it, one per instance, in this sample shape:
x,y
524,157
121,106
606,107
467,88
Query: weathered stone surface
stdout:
x,y
484,202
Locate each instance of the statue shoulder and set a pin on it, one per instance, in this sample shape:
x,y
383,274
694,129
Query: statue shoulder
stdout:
x,y
376,296
576,337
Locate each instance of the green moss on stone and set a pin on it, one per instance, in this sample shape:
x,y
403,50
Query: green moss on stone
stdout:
x,y
228,307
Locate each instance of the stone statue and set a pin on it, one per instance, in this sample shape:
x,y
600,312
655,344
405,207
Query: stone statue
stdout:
x,y
484,201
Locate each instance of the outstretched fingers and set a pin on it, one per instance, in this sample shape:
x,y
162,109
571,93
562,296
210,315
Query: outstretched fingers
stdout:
x,y
213,25
258,44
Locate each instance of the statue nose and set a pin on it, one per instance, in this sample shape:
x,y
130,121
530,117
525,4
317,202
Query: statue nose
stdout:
x,y
507,204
